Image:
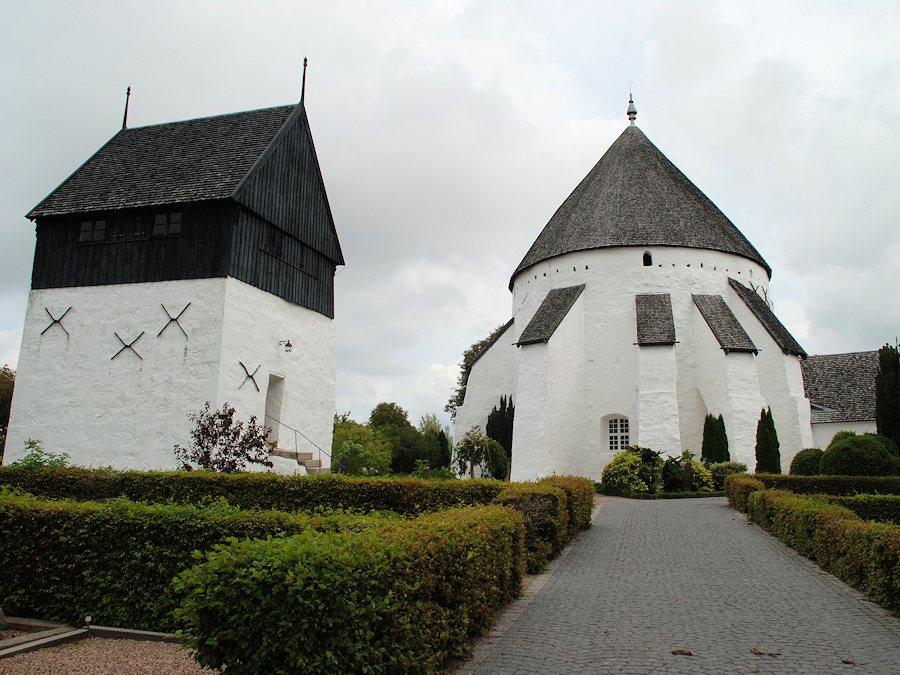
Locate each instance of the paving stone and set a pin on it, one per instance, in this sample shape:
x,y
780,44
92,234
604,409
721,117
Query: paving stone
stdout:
x,y
651,577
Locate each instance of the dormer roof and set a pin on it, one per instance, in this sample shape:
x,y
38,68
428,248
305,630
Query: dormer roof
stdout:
x,y
634,196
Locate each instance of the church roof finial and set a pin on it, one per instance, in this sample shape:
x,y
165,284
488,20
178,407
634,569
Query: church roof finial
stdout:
x,y
632,111
303,86
125,116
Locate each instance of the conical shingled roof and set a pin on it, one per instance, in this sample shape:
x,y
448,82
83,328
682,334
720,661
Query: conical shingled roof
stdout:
x,y
634,196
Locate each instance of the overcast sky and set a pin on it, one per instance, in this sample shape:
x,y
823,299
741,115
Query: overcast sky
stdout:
x,y
449,132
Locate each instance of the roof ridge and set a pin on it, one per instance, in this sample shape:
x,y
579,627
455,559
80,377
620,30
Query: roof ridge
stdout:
x,y
210,117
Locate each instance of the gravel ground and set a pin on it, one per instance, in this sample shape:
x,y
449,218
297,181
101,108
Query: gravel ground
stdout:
x,y
97,656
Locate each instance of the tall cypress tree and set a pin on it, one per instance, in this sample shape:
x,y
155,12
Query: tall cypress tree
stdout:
x,y
768,459
500,424
708,449
722,440
887,393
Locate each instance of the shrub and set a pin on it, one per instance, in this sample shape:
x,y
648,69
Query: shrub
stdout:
x,y
702,478
806,462
633,469
852,455
722,470
768,459
38,458
579,500
832,485
221,444
476,450
546,520
63,560
739,487
887,393
863,554
399,600
879,508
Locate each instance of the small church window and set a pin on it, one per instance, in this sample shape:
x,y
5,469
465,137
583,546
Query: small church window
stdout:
x,y
648,259
618,433
92,230
167,223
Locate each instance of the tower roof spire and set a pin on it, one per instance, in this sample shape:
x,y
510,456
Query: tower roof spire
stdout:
x,y
632,111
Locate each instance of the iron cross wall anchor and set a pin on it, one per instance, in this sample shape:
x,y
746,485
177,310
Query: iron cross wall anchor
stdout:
x,y
128,346
174,319
249,376
56,322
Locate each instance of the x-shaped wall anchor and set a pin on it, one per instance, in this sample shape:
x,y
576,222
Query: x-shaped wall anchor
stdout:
x,y
56,321
251,377
128,346
173,319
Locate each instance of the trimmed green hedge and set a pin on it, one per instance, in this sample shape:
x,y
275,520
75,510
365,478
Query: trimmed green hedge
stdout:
x,y
402,599
739,487
865,555
62,560
880,508
832,485
546,520
580,500
408,496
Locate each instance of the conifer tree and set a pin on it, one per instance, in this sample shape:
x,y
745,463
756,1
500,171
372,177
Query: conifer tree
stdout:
x,y
887,393
707,449
768,459
715,441
500,427
722,440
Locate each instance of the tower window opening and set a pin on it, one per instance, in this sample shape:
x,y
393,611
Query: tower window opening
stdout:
x,y
648,259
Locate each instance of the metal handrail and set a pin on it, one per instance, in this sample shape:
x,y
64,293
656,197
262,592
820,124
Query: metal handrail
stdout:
x,y
299,433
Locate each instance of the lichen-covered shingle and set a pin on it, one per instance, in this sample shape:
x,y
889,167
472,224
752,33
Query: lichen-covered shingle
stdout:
x,y
655,325
550,314
842,384
724,324
634,196
767,318
179,162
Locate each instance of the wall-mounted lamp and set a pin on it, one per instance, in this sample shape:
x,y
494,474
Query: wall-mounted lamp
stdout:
x,y
288,347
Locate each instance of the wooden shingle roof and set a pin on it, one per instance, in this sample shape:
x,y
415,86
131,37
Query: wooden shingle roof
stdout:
x,y
724,324
767,318
179,162
842,386
550,314
655,325
634,196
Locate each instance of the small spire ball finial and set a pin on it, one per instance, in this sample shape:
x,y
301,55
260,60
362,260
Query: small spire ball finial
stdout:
x,y
632,111
303,86
125,116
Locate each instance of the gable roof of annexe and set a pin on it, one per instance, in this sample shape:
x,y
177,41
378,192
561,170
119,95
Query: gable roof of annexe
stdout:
x,y
767,318
842,386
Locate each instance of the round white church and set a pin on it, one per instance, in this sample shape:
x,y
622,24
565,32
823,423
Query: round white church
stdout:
x,y
638,310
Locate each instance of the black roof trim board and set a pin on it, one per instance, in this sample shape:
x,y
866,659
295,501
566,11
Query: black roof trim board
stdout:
x,y
655,325
490,344
724,324
549,315
176,162
841,387
635,196
767,318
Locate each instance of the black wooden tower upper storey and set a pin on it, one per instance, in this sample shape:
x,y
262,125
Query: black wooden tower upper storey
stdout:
x,y
236,195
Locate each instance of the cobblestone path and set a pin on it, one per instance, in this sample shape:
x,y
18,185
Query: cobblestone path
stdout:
x,y
653,577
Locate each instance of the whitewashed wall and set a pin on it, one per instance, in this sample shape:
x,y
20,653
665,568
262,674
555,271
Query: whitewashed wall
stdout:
x,y
615,381
823,433
493,375
129,412
255,322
